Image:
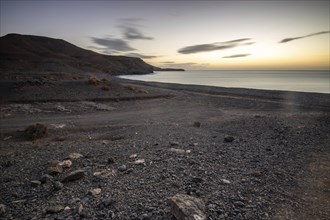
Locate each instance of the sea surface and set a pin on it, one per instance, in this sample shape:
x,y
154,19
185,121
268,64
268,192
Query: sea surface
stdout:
x,y
287,80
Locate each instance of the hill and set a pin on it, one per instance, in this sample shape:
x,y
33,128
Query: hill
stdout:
x,y
27,53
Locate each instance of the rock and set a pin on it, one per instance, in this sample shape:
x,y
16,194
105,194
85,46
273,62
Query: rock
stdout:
x,y
75,156
54,209
185,207
122,168
111,160
35,132
133,156
228,139
74,175
45,178
65,163
140,161
57,185
79,208
179,151
55,170
225,181
106,203
2,209
174,143
197,124
35,183
94,192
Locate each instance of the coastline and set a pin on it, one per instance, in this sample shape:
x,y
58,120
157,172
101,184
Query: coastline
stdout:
x,y
279,151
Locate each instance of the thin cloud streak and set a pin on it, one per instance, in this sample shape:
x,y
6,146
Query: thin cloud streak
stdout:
x,y
113,44
215,46
130,29
142,56
237,55
285,40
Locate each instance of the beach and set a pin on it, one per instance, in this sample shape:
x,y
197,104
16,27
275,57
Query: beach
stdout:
x,y
246,153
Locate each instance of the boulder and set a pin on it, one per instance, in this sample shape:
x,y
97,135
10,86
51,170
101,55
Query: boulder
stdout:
x,y
185,207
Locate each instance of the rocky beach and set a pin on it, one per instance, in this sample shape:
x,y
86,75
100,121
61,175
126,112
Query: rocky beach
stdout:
x,y
109,148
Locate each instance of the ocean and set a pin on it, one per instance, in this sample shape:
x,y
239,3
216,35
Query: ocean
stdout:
x,y
287,80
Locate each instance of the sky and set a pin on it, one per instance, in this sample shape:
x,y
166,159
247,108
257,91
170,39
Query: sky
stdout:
x,y
212,35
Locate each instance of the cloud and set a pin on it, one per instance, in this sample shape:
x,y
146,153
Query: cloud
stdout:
x,y
237,55
130,29
285,40
215,46
138,55
112,44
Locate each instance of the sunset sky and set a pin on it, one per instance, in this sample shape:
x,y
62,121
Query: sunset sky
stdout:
x,y
185,34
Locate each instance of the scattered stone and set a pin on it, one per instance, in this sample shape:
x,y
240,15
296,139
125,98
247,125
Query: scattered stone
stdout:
x,y
107,203
58,126
55,170
34,132
174,143
133,156
111,160
225,181
65,163
140,161
94,192
75,156
2,209
57,185
179,151
130,170
80,208
122,168
185,207
74,175
54,209
35,183
67,208
197,124
228,139
7,138
45,178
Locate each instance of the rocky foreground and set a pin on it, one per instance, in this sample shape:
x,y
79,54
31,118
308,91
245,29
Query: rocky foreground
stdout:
x,y
129,150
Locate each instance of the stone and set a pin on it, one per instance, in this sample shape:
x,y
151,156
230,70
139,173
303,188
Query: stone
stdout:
x,y
35,183
57,185
45,178
55,170
106,203
111,160
228,139
75,156
54,209
174,143
122,168
80,208
35,132
225,181
65,164
140,161
197,124
133,156
179,151
74,175
2,209
94,192
185,207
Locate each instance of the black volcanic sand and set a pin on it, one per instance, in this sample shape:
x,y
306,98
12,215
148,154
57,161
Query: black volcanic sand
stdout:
x,y
277,166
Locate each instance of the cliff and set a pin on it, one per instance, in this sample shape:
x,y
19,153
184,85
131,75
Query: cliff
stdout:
x,y
26,53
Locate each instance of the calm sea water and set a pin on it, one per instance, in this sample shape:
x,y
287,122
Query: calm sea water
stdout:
x,y
300,80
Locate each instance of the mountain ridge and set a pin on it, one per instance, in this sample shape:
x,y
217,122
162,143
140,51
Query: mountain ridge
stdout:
x,y
31,53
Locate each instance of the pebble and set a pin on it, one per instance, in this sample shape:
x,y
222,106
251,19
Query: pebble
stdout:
x,y
140,161
95,192
75,156
65,164
185,207
2,209
35,183
179,151
57,185
133,156
74,175
174,143
54,209
55,170
45,178
229,139
122,168
225,181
